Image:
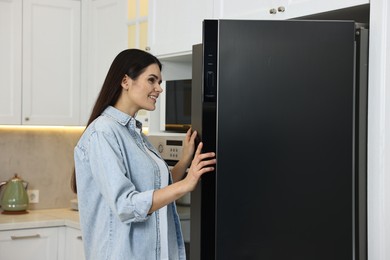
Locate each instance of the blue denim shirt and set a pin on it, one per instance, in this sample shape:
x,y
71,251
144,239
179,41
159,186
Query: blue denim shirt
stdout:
x,y
116,178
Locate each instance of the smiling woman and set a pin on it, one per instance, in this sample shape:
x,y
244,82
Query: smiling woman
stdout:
x,y
140,93
126,193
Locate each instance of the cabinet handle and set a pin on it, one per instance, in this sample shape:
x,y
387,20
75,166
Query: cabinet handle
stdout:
x,y
25,237
281,9
26,118
79,237
272,11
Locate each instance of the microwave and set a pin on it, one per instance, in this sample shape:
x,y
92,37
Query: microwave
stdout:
x,y
175,106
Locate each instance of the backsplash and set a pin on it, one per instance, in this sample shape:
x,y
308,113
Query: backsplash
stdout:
x,y
42,156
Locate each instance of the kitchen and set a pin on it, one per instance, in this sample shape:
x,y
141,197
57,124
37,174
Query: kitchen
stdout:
x,y
176,58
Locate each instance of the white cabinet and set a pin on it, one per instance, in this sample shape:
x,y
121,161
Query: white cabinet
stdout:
x,y
175,25
278,9
74,249
29,244
10,61
137,28
51,62
41,46
106,33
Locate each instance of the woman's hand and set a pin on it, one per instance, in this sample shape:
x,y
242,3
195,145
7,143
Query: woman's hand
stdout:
x,y
201,164
188,147
178,172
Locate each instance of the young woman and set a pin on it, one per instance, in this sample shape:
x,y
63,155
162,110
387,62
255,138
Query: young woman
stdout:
x,y
125,191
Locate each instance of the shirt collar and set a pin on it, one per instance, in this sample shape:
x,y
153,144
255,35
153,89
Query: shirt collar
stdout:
x,y
121,117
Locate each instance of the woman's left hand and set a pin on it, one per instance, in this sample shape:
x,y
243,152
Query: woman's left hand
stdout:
x,y
189,147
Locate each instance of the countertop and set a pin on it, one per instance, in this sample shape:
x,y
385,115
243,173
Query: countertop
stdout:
x,y
55,218
40,219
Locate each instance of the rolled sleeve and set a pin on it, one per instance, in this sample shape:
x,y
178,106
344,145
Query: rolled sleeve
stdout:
x,y
139,208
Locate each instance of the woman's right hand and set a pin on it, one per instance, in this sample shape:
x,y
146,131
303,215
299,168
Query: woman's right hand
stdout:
x,y
201,164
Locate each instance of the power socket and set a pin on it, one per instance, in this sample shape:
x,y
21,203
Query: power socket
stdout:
x,y
33,196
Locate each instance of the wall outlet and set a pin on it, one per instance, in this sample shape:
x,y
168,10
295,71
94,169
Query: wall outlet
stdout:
x,y
33,196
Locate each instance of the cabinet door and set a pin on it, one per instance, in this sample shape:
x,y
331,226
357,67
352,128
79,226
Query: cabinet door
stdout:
x,y
27,244
252,9
299,8
137,27
279,9
74,249
174,25
10,61
107,36
51,62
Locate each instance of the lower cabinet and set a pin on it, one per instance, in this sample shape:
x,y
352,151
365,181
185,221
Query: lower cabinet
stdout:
x,y
29,244
73,244
54,243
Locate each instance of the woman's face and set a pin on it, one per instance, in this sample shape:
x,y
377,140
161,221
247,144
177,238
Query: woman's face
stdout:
x,y
141,93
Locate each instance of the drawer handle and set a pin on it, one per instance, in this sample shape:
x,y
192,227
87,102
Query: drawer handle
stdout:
x,y
79,237
25,237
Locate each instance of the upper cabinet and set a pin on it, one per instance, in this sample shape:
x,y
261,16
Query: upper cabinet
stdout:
x,y
174,25
40,74
10,61
278,9
137,27
51,62
105,33
137,24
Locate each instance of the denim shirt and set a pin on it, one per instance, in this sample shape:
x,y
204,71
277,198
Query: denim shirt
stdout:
x,y
116,178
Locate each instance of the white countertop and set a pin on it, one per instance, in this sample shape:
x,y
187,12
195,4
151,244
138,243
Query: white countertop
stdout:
x,y
40,219
55,218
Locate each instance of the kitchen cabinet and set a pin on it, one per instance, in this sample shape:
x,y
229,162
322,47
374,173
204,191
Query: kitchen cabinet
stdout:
x,y
41,47
51,62
137,24
73,244
106,33
26,244
11,61
137,32
278,9
173,31
174,25
112,26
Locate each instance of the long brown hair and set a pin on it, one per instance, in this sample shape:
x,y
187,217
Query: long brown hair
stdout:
x,y
130,62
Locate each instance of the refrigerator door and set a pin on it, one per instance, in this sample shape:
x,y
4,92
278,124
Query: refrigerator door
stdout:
x,y
283,124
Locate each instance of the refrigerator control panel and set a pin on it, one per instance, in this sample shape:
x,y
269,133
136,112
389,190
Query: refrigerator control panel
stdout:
x,y
170,147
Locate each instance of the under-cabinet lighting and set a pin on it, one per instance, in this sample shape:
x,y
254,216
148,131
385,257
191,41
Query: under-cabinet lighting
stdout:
x,y
41,128
145,130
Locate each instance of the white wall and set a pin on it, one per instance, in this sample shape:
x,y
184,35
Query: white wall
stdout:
x,y
379,132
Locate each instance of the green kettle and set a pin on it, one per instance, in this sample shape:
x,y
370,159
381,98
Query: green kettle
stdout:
x,y
14,197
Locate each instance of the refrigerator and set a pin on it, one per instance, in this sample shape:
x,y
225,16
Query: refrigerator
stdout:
x,y
284,106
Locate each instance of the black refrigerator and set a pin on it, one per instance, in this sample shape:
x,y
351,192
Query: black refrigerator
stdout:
x,y
284,106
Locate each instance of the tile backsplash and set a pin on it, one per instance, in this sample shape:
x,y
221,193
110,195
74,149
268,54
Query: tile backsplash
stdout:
x,y
42,156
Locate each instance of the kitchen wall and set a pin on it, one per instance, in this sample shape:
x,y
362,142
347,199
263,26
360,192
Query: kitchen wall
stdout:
x,y
42,156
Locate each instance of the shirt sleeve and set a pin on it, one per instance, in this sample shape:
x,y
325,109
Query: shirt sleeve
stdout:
x,y
109,173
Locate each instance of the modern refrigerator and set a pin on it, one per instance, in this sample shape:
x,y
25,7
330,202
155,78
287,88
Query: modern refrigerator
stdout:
x,y
284,106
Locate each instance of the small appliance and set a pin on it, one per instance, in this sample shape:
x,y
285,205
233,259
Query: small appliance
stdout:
x,y
14,198
175,106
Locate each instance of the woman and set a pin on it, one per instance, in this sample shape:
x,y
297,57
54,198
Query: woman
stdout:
x,y
125,191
